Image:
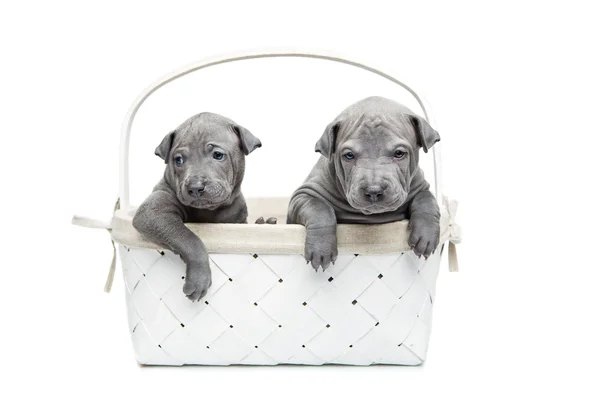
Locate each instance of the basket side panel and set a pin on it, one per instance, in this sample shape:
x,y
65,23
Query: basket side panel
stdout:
x,y
267,309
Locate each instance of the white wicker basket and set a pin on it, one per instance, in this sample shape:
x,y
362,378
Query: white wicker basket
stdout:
x,y
266,306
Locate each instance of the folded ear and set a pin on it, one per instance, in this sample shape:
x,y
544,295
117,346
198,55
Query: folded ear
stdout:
x,y
164,147
248,141
326,145
426,135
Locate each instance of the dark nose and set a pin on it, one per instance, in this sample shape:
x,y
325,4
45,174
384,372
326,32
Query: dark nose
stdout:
x,y
374,193
196,189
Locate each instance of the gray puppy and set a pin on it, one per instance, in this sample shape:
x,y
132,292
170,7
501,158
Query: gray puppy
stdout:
x,y
205,167
368,173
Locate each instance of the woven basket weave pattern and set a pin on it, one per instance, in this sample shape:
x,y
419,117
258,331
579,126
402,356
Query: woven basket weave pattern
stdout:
x,y
274,309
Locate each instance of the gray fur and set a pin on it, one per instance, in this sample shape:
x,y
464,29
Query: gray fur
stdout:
x,y
202,189
375,186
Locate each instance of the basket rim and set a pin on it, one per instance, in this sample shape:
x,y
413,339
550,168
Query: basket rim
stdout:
x,y
281,238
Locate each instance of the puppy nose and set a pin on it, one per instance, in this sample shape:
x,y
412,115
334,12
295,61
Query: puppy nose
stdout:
x,y
374,193
196,189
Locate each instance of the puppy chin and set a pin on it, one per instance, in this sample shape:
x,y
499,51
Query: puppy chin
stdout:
x,y
206,203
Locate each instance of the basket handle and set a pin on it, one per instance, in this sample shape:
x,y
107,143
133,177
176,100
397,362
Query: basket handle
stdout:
x,y
128,122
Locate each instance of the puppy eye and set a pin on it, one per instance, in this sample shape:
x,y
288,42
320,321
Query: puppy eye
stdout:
x,y
399,154
179,160
349,156
218,155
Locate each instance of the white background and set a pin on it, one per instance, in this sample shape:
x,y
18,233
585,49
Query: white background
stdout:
x,y
514,89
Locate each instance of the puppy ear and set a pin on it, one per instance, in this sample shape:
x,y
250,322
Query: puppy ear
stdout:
x,y
326,145
426,135
248,141
164,147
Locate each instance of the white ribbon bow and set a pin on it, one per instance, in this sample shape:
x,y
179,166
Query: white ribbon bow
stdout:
x,y
455,234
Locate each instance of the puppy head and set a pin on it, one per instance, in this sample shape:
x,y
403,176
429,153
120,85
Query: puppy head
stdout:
x,y
205,160
374,147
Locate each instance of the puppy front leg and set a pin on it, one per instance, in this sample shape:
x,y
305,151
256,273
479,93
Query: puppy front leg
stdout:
x,y
320,248
424,223
164,226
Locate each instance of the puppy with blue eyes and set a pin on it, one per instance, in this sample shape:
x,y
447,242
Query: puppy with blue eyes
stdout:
x,y
368,174
205,162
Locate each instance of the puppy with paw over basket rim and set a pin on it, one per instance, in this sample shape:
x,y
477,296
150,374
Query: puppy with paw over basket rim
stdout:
x,y
202,183
368,174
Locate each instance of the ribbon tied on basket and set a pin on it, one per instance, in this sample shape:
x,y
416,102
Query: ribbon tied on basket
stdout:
x,y
454,233
93,223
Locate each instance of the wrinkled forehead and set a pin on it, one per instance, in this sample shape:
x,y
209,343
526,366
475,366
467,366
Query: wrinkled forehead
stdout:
x,y
378,132
200,134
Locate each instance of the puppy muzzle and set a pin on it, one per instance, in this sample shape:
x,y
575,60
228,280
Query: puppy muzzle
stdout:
x,y
376,198
204,193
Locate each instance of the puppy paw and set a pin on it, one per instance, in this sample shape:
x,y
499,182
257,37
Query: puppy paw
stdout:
x,y
425,234
321,247
198,280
